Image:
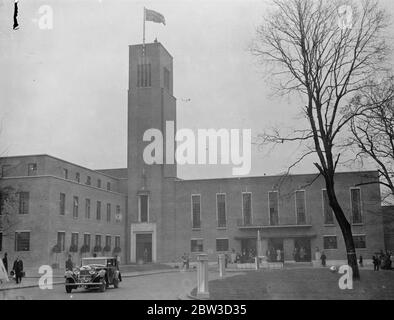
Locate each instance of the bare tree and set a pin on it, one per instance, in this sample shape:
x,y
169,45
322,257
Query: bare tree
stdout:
x,y
325,59
373,127
8,210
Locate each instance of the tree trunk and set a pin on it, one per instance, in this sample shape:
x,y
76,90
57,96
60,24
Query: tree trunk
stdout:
x,y
345,228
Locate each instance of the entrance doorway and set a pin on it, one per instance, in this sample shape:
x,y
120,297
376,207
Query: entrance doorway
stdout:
x,y
143,247
302,250
248,250
275,250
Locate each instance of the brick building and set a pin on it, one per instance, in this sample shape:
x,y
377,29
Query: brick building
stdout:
x,y
155,216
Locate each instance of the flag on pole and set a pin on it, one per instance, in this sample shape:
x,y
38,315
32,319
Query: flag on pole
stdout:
x,y
154,16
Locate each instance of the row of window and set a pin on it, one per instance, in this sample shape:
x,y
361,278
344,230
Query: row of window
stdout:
x,y
22,241
32,171
273,201
62,209
144,76
329,242
98,244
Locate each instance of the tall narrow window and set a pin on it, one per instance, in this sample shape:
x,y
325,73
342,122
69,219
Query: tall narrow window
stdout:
x,y
86,241
196,211
166,76
32,169
144,207
61,240
144,75
300,206
108,242
221,210
78,177
65,173
87,208
118,215
247,208
22,241
88,180
98,210
109,186
273,200
74,241
108,212
75,207
98,183
355,195
327,211
62,204
98,241
117,241
24,202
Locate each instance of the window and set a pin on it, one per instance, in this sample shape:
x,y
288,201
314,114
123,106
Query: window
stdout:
x,y
196,245
273,208
1,241
108,212
24,202
32,169
108,242
5,169
144,207
77,177
117,216
330,242
109,186
86,240
144,75
98,183
87,208
62,204
65,173
74,239
247,208
327,211
359,242
221,245
221,210
88,180
98,210
355,195
22,241
300,206
166,75
75,207
196,211
98,240
117,241
61,239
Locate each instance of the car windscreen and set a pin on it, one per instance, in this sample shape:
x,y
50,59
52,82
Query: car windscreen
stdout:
x,y
86,261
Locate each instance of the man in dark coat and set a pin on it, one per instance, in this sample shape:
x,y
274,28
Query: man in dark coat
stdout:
x,y
18,269
5,262
69,264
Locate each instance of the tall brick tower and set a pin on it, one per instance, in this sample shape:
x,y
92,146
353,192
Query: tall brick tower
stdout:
x,y
151,188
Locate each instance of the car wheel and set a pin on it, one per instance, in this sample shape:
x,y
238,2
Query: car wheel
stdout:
x,y
68,288
116,283
103,285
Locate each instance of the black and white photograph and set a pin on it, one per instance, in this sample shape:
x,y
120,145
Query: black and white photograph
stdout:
x,y
196,153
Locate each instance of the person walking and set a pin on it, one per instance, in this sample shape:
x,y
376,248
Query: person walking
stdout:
x,y
18,269
375,263
69,264
323,259
5,262
360,261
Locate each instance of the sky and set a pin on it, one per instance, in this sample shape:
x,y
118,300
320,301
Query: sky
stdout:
x,y
63,91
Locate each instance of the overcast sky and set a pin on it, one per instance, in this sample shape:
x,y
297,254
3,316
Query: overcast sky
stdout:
x,y
64,91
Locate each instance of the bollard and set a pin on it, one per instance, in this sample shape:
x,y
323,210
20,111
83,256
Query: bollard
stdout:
x,y
256,261
222,265
202,276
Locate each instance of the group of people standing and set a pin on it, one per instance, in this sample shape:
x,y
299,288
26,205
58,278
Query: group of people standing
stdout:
x,y
17,268
382,260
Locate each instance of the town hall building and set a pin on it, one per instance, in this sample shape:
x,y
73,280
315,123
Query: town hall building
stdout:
x,y
144,213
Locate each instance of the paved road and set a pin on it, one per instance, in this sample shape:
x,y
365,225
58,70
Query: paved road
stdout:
x,y
150,287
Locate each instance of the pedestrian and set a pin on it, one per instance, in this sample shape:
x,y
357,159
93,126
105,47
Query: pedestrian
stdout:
x,y
184,261
187,262
375,263
18,269
69,264
323,259
233,255
360,261
5,262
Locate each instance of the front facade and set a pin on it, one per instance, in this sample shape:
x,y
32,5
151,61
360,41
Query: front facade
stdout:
x,y
144,213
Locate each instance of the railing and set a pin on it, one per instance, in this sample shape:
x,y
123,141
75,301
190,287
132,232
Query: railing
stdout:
x,y
259,222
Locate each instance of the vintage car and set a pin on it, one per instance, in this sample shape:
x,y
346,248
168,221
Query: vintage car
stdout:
x,y
94,273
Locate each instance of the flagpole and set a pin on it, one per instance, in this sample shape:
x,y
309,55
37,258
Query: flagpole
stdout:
x,y
143,35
